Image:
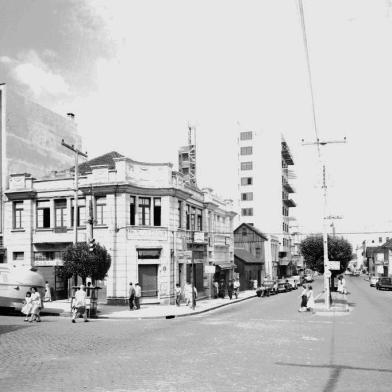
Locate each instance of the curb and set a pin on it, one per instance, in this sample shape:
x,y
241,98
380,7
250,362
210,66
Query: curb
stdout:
x,y
172,316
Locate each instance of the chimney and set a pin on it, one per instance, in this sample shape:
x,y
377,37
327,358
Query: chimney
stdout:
x,y
71,116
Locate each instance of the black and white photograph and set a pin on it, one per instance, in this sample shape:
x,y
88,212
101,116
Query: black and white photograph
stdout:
x,y
194,195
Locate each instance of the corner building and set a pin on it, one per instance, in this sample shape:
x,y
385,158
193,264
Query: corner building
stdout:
x,y
145,215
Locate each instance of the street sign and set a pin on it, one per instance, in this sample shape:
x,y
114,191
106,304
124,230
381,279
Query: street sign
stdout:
x,y
209,269
334,265
327,274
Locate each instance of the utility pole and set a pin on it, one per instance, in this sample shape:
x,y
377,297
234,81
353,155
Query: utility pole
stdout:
x,y
77,153
319,143
193,271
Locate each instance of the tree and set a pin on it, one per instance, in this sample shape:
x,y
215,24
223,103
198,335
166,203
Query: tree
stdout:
x,y
79,261
339,249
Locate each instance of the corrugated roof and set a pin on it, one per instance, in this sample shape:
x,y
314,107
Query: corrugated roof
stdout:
x,y
246,256
250,227
105,159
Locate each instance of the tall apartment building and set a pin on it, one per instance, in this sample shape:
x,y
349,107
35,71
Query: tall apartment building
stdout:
x,y
30,141
265,189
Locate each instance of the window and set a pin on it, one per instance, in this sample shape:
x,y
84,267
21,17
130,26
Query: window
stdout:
x,y
43,214
246,135
44,256
60,212
132,211
179,214
193,218
246,180
244,232
246,150
210,228
157,211
188,217
247,165
100,203
258,253
18,255
199,220
247,212
81,217
247,196
144,211
18,214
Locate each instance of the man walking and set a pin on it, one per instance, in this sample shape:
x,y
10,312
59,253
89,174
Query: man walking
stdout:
x,y
131,296
79,304
178,294
138,294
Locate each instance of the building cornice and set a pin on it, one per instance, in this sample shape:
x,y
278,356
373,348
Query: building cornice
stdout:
x,y
21,194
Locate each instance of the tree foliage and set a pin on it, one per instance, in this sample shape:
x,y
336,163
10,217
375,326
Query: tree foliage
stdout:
x,y
339,249
78,260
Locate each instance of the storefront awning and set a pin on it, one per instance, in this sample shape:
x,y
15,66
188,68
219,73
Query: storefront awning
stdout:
x,y
284,262
149,253
225,265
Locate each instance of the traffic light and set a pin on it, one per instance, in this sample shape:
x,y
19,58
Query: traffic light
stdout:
x,y
91,245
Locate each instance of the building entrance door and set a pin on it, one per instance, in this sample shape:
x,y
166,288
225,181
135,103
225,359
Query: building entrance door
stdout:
x,y
148,279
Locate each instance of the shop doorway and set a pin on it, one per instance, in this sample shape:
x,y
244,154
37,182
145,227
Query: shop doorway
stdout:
x,y
148,279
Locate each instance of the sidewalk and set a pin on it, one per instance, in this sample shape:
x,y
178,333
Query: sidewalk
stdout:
x,y
63,308
339,303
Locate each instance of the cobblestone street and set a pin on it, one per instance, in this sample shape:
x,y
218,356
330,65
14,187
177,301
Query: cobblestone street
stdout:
x,y
262,344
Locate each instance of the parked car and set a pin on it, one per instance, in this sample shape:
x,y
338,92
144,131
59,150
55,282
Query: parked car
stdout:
x,y
357,273
283,286
373,280
267,288
384,284
294,281
308,278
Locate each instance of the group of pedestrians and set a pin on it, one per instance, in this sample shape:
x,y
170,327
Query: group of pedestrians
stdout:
x,y
32,306
307,299
232,288
135,292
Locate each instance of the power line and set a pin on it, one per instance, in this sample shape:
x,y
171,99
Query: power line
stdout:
x,y
304,36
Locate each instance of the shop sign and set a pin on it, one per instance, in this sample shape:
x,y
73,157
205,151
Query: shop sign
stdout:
x,y
198,237
380,269
334,265
328,274
380,257
209,269
47,263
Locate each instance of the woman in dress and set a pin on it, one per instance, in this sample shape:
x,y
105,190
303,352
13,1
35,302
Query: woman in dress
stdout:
x,y
28,306
310,303
36,305
48,295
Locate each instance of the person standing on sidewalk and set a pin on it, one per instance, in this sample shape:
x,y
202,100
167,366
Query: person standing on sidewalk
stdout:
x,y
236,288
178,294
131,296
230,289
79,304
138,294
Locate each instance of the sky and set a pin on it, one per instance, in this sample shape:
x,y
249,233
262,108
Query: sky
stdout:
x,y
135,73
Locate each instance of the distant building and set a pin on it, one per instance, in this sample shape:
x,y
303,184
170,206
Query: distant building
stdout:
x,y
30,141
265,189
249,255
149,219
